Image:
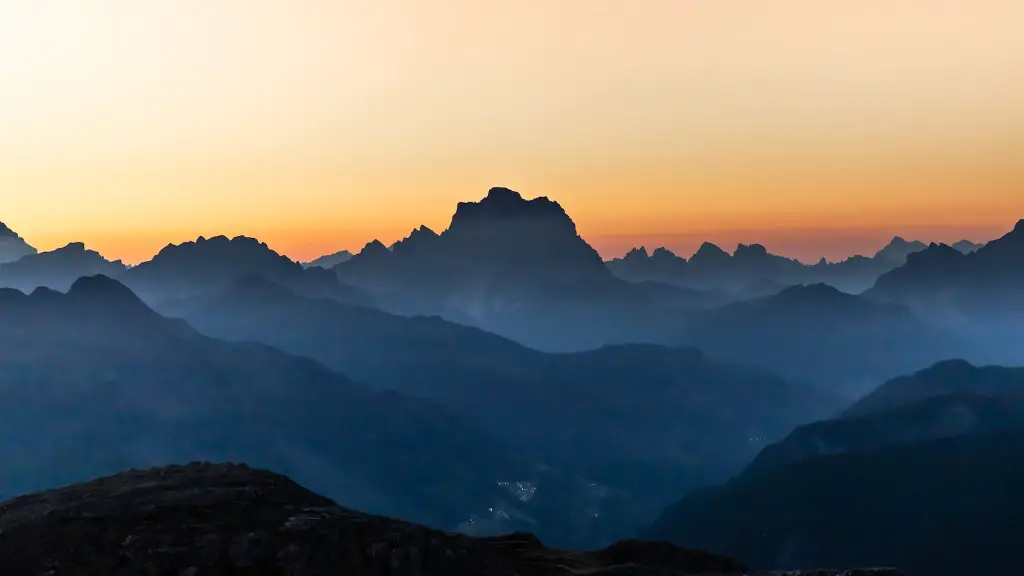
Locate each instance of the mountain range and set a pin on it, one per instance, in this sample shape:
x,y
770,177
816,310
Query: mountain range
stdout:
x,y
498,376
751,265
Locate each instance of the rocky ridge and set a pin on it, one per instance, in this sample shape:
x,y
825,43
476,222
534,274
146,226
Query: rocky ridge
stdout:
x,y
204,518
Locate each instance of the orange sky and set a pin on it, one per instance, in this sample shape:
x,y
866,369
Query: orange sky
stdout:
x,y
815,127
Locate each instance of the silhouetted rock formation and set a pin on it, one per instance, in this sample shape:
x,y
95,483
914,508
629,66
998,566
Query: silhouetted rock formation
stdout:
x,y
57,269
181,270
221,519
512,266
329,260
12,247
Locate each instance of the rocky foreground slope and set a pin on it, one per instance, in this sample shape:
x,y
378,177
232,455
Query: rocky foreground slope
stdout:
x,y
203,518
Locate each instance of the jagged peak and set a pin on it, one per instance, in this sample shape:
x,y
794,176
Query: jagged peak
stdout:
x,y
665,253
709,249
6,232
502,194
750,250
636,252
374,247
219,241
502,204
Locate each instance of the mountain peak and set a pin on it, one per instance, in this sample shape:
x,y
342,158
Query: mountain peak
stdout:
x,y
374,247
504,205
636,254
709,252
101,290
748,250
502,194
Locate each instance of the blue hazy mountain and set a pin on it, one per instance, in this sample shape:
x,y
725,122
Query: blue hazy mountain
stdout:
x,y
818,333
925,474
712,267
94,381
329,260
57,269
645,420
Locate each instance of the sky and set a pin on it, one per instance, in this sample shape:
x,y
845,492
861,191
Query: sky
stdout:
x,y
818,128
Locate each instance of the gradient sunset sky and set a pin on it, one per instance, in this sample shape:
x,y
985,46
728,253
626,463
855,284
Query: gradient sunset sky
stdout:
x,y
817,127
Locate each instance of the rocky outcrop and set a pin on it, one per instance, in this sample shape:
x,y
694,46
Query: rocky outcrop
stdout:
x,y
204,518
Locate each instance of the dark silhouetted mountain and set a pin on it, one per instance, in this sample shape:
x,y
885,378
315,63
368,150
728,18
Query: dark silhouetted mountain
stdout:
x,y
181,270
818,333
944,507
57,269
923,474
639,266
94,381
229,519
515,267
12,246
641,420
329,260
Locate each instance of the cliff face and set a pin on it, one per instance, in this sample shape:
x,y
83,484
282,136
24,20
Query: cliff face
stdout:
x,y
215,519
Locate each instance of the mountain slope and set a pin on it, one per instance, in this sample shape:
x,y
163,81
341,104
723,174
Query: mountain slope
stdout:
x,y
943,507
923,475
329,260
230,519
645,421
12,246
93,381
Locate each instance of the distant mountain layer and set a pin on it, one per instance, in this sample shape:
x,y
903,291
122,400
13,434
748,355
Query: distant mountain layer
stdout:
x,y
12,247
57,269
817,333
329,260
749,265
926,474
646,421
